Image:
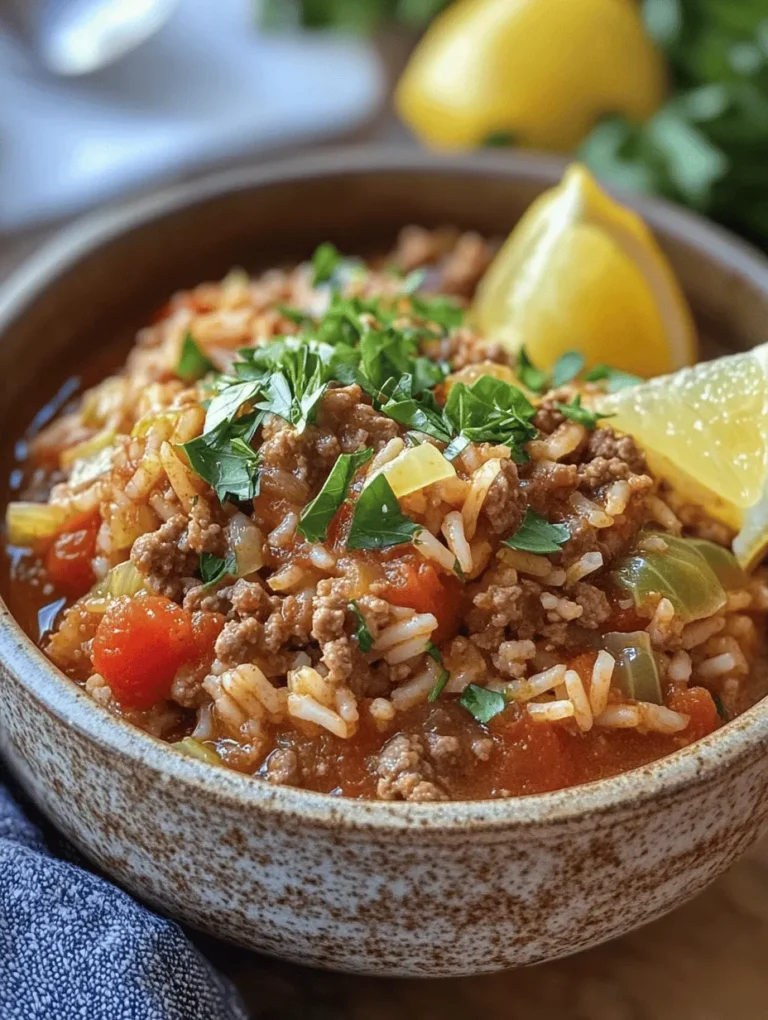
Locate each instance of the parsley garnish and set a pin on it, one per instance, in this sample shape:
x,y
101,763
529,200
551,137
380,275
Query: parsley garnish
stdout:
x,y
441,310
482,703
443,677
412,282
193,364
536,535
491,411
582,415
363,635
614,379
325,261
225,460
721,710
295,315
378,521
567,368
317,515
530,376
214,569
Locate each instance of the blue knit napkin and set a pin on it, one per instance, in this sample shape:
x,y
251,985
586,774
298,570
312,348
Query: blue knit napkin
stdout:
x,y
75,947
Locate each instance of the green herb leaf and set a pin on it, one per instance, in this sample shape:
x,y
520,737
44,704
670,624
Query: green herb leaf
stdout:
x,y
294,391
412,282
441,310
567,367
491,411
529,375
193,364
214,569
443,677
536,535
499,140
295,315
325,261
228,401
614,379
317,515
378,521
224,459
482,703
582,415
363,635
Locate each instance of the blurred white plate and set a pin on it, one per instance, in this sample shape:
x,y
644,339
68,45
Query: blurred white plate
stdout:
x,y
205,88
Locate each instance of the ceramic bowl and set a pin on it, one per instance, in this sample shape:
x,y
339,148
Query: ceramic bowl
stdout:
x,y
384,888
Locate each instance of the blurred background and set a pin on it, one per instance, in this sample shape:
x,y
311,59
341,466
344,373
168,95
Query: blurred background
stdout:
x,y
102,98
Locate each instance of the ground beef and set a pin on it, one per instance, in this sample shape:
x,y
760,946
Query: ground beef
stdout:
x,y
504,504
240,641
204,534
546,481
329,614
165,560
308,455
339,659
417,247
604,442
464,347
603,471
594,603
249,598
204,600
548,417
462,269
444,749
405,773
282,767
347,413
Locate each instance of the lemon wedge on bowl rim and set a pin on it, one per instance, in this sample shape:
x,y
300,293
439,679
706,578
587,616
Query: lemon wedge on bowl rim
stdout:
x,y
705,429
582,272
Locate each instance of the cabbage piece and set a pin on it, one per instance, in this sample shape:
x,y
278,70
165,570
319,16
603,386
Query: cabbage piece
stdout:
x,y
681,574
192,748
28,523
636,672
723,562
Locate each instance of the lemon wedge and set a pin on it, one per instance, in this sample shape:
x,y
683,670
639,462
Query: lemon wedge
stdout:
x,y
705,429
582,272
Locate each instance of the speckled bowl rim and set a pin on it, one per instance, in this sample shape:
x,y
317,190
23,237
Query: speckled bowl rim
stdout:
x,y
702,762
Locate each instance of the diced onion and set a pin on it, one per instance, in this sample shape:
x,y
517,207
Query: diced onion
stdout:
x,y
246,541
417,467
29,522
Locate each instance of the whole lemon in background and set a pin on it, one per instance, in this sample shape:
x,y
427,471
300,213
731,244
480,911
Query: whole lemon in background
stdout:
x,y
541,71
582,272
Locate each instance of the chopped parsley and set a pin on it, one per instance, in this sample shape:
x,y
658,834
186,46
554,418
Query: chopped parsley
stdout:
x,y
443,677
567,368
721,710
530,376
614,379
377,521
582,415
441,310
225,459
325,262
214,569
363,635
491,411
193,364
482,703
536,535
317,515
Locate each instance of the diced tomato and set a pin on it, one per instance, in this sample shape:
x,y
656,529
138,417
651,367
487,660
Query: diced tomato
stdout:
x,y
415,583
584,664
206,628
68,561
139,645
698,704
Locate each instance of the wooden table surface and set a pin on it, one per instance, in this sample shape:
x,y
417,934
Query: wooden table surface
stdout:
x,y
706,961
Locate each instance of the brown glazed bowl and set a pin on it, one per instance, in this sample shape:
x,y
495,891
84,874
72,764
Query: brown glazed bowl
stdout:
x,y
383,888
